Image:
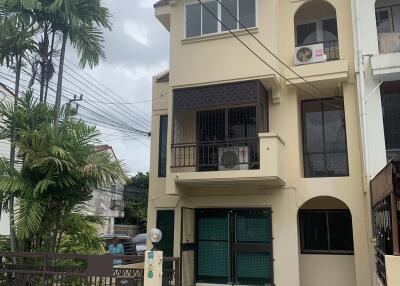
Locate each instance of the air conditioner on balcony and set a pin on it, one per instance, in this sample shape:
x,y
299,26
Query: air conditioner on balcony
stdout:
x,y
233,158
310,54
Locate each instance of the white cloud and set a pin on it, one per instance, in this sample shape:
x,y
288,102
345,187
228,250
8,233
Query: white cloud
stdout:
x,y
137,32
146,3
142,72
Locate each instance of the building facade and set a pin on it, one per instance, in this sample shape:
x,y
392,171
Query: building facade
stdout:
x,y
377,29
256,157
107,202
6,95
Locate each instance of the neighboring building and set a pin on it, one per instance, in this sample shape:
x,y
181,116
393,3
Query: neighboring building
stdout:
x,y
107,202
5,95
377,32
255,178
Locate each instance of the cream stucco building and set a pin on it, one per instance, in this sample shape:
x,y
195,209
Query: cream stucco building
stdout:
x,y
256,157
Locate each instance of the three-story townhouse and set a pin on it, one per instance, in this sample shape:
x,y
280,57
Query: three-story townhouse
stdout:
x,y
256,167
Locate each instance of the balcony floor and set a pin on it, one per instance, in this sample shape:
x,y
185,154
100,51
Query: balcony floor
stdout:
x,y
239,178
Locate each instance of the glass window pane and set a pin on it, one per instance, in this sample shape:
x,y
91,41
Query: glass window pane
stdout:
x,y
391,115
306,34
254,268
329,28
210,22
334,126
162,152
383,21
314,165
336,165
242,122
312,126
247,13
226,17
340,231
253,226
314,231
193,20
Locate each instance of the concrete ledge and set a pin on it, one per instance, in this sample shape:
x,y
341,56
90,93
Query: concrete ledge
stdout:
x,y
325,71
386,66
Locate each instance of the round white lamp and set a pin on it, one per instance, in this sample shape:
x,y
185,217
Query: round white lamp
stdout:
x,y
155,236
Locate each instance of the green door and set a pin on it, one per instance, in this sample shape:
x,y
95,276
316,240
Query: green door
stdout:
x,y
234,246
212,246
252,247
165,223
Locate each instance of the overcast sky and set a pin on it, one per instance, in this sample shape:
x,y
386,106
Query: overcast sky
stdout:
x,y
136,49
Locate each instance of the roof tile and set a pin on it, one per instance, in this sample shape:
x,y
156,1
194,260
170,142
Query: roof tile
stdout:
x,y
161,2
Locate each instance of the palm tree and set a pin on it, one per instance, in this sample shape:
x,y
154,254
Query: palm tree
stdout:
x,y
16,40
80,22
60,165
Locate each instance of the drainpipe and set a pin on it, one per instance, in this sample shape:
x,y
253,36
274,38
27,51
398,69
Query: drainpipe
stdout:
x,y
363,117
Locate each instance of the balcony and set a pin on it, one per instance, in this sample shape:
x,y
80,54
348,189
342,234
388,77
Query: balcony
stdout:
x,y
385,197
220,136
388,26
316,53
386,64
316,35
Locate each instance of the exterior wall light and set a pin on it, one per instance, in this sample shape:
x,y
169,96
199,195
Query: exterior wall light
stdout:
x,y
155,236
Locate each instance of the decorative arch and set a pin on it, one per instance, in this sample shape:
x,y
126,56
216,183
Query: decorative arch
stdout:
x,y
315,22
326,227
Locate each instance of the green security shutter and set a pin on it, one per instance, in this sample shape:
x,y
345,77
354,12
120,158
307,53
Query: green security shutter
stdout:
x,y
213,247
165,222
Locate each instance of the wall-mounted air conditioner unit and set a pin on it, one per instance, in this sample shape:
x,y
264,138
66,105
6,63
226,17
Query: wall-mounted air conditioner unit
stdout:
x,y
233,158
309,54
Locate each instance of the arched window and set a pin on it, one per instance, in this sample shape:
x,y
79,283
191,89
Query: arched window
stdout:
x,y
315,23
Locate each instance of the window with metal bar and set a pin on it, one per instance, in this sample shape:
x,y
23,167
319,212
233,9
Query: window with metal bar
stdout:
x,y
326,231
162,151
324,138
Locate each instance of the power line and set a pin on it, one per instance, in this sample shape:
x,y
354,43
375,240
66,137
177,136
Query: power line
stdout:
x,y
272,53
110,116
102,116
101,84
115,125
144,121
259,57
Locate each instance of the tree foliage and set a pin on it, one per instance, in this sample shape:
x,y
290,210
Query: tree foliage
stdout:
x,y
135,201
58,166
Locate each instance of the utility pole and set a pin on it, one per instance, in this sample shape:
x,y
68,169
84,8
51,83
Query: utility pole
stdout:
x,y
75,99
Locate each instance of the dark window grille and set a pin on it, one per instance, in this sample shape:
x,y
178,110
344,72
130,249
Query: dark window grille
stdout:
x,y
232,131
162,152
326,231
324,138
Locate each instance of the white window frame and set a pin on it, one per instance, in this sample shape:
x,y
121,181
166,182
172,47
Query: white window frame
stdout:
x,y
390,18
219,28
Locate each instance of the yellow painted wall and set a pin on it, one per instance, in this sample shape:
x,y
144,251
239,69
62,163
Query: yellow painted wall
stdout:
x,y
219,59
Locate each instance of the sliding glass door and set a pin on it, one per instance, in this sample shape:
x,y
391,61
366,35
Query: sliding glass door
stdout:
x,y
234,246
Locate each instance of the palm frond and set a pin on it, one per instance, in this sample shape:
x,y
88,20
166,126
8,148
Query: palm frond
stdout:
x,y
29,215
